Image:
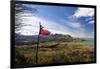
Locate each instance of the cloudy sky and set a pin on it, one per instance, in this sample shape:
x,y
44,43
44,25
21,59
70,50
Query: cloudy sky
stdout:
x,y
76,21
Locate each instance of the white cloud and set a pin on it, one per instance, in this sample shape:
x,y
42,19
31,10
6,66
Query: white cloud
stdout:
x,y
52,26
80,30
76,28
33,27
91,22
71,22
84,12
89,19
75,25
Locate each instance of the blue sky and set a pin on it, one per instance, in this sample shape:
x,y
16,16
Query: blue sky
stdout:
x,y
76,21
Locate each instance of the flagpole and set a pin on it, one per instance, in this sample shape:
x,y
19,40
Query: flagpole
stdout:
x,y
38,41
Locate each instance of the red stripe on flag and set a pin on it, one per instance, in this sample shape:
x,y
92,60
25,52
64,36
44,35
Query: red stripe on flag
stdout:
x,y
44,32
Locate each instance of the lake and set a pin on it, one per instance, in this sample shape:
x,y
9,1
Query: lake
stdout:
x,y
89,41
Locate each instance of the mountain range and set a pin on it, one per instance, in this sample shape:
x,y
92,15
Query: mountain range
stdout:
x,y
30,39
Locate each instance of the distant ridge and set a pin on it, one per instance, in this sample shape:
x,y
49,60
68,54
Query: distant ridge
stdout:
x,y
28,40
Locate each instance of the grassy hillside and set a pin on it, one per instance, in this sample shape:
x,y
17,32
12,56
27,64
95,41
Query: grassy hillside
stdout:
x,y
64,52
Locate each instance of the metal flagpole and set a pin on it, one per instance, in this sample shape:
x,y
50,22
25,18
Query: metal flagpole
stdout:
x,y
38,44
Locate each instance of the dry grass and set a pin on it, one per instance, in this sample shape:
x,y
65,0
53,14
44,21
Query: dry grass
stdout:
x,y
62,53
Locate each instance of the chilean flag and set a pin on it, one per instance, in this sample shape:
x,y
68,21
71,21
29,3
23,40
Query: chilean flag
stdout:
x,y
43,31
